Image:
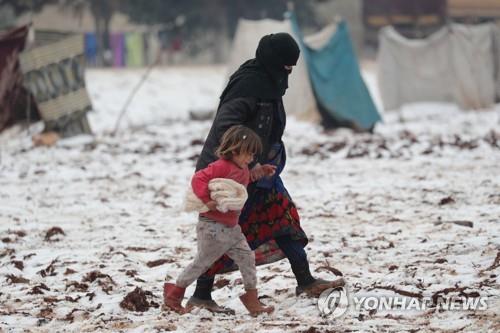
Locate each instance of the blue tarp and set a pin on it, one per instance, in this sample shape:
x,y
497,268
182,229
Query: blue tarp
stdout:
x,y
91,48
338,86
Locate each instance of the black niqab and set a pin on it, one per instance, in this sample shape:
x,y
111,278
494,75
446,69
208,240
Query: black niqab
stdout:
x,y
265,76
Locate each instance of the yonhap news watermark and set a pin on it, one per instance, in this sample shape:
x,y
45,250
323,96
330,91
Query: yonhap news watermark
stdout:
x,y
335,302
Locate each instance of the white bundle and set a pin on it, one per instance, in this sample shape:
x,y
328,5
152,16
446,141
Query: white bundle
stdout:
x,y
192,203
228,194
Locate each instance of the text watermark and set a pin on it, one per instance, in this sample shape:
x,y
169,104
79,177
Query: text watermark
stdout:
x,y
335,302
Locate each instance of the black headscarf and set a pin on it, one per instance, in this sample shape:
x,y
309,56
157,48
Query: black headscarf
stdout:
x,y
264,76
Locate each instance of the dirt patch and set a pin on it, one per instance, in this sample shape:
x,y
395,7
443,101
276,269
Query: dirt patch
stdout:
x,y
105,281
469,224
494,265
53,232
95,275
17,279
18,233
329,268
137,301
460,290
18,264
77,286
159,262
398,291
7,252
49,270
38,289
446,201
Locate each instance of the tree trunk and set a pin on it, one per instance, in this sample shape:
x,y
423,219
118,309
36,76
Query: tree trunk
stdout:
x,y
222,43
103,12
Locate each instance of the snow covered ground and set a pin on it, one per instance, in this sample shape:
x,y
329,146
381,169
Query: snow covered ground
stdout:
x,y
413,208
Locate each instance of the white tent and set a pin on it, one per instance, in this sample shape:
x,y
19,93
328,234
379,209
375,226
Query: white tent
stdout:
x,y
299,99
473,64
455,64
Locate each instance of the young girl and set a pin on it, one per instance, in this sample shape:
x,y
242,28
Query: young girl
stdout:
x,y
218,233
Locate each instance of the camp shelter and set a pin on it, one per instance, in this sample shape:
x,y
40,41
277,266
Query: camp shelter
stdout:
x,y
51,69
455,64
341,94
326,85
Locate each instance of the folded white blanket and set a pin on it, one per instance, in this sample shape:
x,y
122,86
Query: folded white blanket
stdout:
x,y
228,194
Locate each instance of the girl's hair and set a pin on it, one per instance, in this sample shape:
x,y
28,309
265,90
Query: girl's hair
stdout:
x,y
239,140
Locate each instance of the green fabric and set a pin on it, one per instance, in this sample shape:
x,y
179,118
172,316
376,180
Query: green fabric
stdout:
x,y
135,49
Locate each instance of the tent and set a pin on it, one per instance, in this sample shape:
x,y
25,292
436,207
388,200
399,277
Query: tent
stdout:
x,y
14,105
326,84
455,64
46,79
341,93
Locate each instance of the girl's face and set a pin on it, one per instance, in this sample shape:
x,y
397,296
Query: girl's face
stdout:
x,y
242,160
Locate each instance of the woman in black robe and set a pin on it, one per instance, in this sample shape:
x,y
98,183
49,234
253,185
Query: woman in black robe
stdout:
x,y
269,220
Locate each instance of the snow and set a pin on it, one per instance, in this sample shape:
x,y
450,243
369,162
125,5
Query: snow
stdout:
x,y
380,208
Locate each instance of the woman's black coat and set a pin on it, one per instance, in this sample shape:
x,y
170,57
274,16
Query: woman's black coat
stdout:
x,y
266,118
253,97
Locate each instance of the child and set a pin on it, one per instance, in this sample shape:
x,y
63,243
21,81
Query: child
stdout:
x,y
218,233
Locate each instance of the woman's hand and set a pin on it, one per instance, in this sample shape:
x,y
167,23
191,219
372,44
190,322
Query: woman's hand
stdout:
x,y
212,205
259,171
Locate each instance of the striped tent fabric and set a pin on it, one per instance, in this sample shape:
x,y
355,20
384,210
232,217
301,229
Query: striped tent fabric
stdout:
x,y
54,73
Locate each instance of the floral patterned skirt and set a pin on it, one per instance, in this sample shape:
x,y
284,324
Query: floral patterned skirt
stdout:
x,y
268,213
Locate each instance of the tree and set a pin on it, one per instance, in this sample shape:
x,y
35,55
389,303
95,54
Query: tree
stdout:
x,y
23,6
10,9
211,23
219,15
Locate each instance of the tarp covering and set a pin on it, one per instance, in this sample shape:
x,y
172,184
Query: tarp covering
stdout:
x,y
153,46
117,43
91,48
54,74
455,64
135,49
336,78
473,65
